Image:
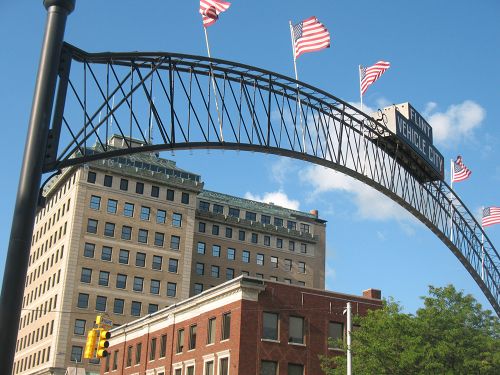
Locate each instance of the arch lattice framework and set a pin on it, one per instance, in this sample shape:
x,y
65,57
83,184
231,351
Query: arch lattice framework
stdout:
x,y
172,101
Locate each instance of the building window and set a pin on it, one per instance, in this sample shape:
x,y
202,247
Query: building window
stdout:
x,y
135,308
303,248
76,353
226,326
100,303
83,300
304,228
123,184
115,360
267,240
274,262
155,191
108,180
302,267
86,276
190,370
279,243
294,369
234,212
92,226
159,239
301,283
268,368
152,351
118,306
138,350
200,269
171,289
154,287
172,265
163,346
211,331
231,254
192,337
109,229
255,238
88,250
139,188
95,202
142,236
140,260
106,253
241,235
128,209
218,209
138,284
270,326
129,356
204,206
259,275
126,232
201,227
79,327
278,222
180,340
152,308
209,368
112,206
287,281
291,245
175,242
161,216
123,256
170,195
103,278
229,232
185,198
252,216
145,213
288,264
291,225
176,220
215,271
91,177
296,330
260,259
201,248
216,251
198,288
265,219
157,262
229,273
335,335
224,366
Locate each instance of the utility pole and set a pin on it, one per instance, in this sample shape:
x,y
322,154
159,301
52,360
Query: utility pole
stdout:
x,y
16,265
349,328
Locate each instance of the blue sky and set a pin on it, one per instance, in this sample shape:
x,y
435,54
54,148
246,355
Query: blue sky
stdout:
x,y
444,57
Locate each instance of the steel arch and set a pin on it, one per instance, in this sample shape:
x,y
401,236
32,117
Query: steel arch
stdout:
x,y
191,102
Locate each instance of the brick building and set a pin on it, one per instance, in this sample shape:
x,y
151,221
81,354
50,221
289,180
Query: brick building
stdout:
x,y
244,326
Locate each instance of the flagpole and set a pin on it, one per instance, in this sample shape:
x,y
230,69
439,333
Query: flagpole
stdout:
x,y
360,93
451,200
212,78
297,78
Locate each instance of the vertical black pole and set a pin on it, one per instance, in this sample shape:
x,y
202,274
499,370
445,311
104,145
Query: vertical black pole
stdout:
x,y
23,220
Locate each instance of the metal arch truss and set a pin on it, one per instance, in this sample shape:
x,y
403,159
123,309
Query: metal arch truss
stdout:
x,y
170,101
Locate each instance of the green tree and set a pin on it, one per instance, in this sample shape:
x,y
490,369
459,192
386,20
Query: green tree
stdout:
x,y
451,334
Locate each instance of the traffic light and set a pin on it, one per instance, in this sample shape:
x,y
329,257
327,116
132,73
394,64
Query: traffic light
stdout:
x,y
90,344
103,343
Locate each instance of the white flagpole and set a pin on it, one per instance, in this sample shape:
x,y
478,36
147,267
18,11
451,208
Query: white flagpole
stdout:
x,y
112,115
213,86
451,200
297,78
360,93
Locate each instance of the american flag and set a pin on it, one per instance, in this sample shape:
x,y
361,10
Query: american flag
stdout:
x,y
210,10
309,35
371,74
491,215
460,171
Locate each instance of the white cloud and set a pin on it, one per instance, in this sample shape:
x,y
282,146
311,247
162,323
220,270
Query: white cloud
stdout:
x,y
281,169
279,198
370,203
457,123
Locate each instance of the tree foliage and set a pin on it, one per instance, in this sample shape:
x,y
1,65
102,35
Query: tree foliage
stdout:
x,y
451,334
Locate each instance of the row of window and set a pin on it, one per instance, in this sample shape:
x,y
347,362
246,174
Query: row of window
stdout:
x,y
252,216
47,263
254,237
142,234
35,336
246,257
45,246
139,187
35,359
33,314
41,288
53,200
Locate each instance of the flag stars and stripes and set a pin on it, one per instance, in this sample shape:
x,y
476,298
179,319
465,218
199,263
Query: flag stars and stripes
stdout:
x,y
491,215
460,171
210,10
309,35
370,74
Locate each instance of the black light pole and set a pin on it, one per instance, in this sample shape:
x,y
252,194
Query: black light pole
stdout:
x,y
16,265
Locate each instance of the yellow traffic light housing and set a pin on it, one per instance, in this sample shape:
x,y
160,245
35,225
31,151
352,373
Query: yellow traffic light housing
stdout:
x,y
90,344
103,343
